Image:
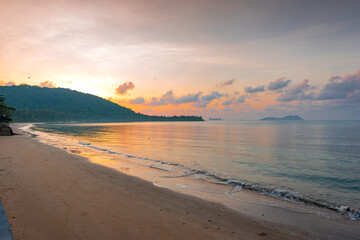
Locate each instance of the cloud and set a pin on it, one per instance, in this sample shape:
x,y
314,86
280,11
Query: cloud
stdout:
x,y
228,102
169,98
297,92
345,90
169,95
138,100
213,95
226,83
278,84
47,84
189,98
202,104
338,88
255,90
8,84
335,78
240,99
157,102
123,88
354,97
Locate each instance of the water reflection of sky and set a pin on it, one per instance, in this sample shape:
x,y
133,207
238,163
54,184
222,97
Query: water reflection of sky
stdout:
x,y
317,159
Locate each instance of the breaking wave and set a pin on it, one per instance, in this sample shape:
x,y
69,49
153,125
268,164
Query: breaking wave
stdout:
x,y
186,171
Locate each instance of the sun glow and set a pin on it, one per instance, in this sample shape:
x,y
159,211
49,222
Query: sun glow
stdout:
x,y
86,85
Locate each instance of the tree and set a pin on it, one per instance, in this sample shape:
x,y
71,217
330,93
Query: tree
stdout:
x,y
4,109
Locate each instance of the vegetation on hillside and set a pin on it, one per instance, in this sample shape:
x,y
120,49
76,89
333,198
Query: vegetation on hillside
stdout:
x,y
36,104
5,110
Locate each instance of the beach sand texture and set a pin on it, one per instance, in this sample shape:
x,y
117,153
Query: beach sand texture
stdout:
x,y
48,193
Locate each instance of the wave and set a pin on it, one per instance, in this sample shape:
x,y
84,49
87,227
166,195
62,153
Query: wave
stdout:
x,y
186,171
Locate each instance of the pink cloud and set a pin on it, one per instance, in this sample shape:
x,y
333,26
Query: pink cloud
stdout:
x,y
123,88
297,92
340,88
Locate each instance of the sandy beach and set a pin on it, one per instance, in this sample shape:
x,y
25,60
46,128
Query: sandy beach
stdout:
x,y
48,193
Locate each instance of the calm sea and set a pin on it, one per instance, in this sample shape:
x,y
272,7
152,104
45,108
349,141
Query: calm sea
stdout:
x,y
313,163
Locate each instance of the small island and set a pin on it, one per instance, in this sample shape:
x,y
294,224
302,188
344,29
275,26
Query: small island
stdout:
x,y
286,118
215,119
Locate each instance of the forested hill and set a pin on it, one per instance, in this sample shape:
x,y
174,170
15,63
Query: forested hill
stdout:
x,y
36,104
286,118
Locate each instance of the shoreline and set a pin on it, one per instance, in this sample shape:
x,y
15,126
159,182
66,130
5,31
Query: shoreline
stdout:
x,y
67,189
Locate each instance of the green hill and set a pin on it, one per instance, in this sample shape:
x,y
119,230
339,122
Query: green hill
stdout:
x,y
36,104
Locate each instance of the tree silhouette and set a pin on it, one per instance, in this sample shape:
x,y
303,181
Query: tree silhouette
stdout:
x,y
5,110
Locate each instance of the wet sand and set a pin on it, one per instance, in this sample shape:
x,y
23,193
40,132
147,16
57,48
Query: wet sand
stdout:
x,y
48,193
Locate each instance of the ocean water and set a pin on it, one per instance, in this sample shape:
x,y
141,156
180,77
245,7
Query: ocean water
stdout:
x,y
309,163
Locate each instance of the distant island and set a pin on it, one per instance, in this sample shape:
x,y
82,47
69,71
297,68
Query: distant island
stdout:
x,y
36,104
286,118
216,119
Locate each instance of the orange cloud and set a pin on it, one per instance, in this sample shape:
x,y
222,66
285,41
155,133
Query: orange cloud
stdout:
x,y
123,88
10,83
47,84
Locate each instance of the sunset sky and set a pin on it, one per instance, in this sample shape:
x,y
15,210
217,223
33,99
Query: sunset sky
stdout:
x,y
229,59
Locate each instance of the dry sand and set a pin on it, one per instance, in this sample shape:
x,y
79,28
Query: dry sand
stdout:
x,y
48,193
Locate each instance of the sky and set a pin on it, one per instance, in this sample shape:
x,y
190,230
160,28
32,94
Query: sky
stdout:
x,y
229,59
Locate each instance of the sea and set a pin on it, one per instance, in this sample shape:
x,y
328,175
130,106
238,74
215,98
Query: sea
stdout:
x,y
311,167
